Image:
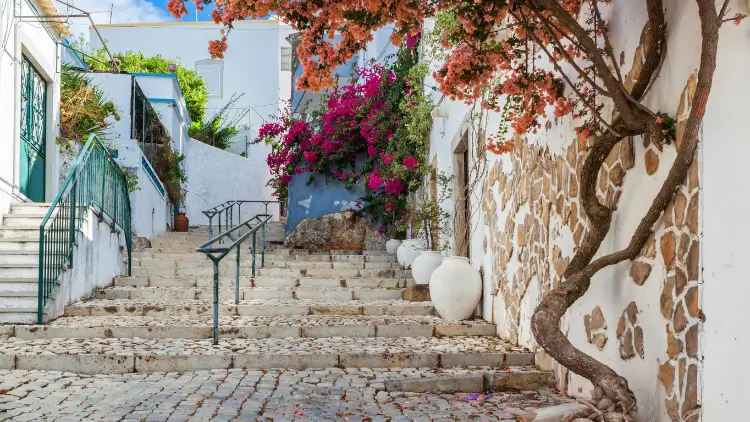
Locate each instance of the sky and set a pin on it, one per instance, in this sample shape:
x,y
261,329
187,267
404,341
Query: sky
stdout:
x,y
124,11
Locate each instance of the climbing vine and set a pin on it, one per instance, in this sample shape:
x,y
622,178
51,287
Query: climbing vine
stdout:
x,y
372,135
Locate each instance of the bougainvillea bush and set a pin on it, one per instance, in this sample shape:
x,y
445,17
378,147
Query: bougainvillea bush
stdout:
x,y
370,135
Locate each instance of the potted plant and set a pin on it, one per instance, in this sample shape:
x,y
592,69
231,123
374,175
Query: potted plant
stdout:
x,y
430,222
397,234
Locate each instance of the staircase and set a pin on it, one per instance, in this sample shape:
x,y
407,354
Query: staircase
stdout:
x,y
19,262
304,310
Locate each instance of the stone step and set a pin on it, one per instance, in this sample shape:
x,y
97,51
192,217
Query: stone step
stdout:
x,y
199,327
26,219
192,255
246,262
29,208
30,232
254,307
246,270
19,257
18,315
13,244
226,280
249,293
19,270
117,355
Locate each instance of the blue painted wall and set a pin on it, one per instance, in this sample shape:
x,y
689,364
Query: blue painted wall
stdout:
x,y
317,199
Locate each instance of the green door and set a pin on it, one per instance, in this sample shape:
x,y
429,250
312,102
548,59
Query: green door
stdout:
x,y
33,132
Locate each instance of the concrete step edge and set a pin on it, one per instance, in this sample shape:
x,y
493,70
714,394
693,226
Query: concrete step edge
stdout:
x,y
92,364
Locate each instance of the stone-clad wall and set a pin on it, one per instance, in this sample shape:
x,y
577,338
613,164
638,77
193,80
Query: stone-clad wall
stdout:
x,y
533,226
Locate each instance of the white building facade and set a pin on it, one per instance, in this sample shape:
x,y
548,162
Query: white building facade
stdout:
x,y
29,101
257,65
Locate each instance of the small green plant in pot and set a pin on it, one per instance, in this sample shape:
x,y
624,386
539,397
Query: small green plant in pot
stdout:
x,y
430,222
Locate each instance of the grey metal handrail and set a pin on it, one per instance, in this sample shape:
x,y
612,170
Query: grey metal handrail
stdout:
x,y
227,209
216,250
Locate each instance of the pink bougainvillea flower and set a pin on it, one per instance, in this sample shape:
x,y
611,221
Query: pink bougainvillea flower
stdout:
x,y
375,182
285,179
410,162
394,187
311,157
372,151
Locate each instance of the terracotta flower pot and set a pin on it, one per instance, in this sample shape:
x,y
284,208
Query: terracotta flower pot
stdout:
x,y
181,222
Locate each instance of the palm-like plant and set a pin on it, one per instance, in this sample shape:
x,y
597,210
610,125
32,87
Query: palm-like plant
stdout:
x,y
219,129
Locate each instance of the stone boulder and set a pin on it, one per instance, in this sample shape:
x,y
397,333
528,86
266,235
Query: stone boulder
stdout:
x,y
339,231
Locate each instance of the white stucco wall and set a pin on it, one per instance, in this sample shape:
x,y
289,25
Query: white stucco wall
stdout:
x,y
149,207
725,230
215,176
118,89
32,40
97,259
251,65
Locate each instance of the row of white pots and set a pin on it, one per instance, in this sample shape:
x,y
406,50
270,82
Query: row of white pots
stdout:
x,y
455,286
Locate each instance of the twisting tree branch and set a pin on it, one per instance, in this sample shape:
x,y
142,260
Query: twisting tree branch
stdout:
x,y
605,35
580,96
545,321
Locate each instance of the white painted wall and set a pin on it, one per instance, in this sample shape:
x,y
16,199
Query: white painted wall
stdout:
x,y
38,43
251,65
149,207
118,89
725,229
97,260
215,176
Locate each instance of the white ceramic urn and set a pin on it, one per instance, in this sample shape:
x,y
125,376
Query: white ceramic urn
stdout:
x,y
409,250
424,265
455,289
391,246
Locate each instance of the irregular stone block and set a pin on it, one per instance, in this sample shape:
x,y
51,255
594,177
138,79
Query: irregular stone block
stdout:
x,y
79,364
181,363
7,362
457,330
519,359
339,331
298,362
438,385
495,360
273,331
405,330
386,360
417,293
519,381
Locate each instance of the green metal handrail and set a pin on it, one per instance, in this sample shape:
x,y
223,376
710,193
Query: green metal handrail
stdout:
x,y
95,179
217,248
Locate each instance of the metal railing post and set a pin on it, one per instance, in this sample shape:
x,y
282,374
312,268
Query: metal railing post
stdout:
x,y
216,302
73,206
254,253
211,227
237,280
263,245
104,186
41,288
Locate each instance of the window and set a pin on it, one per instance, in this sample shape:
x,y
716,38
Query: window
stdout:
x,y
212,72
286,58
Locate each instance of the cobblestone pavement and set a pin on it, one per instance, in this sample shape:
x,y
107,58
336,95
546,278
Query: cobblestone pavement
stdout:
x,y
238,395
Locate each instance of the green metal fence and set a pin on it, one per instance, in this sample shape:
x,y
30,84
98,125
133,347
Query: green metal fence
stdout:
x,y
95,180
